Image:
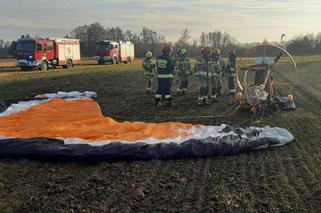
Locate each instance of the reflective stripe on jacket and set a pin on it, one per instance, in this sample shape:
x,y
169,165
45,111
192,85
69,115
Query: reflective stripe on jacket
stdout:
x,y
165,66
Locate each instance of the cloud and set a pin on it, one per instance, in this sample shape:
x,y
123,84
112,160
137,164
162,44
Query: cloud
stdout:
x,y
247,20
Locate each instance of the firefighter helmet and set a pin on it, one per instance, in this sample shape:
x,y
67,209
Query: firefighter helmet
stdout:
x,y
206,51
183,51
167,48
149,54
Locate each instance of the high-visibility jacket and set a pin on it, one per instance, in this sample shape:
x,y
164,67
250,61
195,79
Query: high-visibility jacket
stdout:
x,y
218,66
183,66
231,66
165,66
148,65
203,68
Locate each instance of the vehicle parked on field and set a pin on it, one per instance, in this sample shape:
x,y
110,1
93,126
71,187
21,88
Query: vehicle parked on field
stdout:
x,y
114,52
47,53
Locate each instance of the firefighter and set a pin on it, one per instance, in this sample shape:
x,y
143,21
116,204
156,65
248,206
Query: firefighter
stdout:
x,y
148,71
165,69
231,72
216,74
183,70
203,69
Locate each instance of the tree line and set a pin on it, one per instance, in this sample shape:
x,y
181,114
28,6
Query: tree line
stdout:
x,y
4,48
89,34
148,39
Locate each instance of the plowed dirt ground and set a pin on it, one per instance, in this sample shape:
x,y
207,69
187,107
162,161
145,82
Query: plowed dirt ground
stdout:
x,y
282,179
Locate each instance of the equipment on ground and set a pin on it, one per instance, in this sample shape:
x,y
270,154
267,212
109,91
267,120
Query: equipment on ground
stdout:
x,y
114,51
265,73
47,53
70,126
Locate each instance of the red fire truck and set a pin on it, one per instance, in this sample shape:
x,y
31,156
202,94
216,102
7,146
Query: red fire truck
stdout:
x,y
47,53
114,52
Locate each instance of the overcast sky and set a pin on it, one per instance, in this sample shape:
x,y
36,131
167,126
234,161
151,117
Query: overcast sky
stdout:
x,y
247,20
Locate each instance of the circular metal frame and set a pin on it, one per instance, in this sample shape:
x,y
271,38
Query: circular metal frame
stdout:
x,y
242,86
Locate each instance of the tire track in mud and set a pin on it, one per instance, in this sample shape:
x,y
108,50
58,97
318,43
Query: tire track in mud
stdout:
x,y
142,184
244,176
203,185
213,183
110,184
295,159
253,179
308,102
59,185
264,182
224,191
302,178
304,171
137,188
294,182
284,195
258,188
194,173
312,162
169,186
192,176
186,176
309,167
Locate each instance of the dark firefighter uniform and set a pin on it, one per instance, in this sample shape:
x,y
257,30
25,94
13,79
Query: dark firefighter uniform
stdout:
x,y
203,68
216,75
165,69
231,71
148,71
183,70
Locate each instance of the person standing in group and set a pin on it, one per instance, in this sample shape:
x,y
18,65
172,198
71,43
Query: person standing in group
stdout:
x,y
148,71
203,68
183,69
216,75
165,69
231,73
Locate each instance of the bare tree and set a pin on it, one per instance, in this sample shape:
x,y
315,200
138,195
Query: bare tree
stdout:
x,y
88,35
183,41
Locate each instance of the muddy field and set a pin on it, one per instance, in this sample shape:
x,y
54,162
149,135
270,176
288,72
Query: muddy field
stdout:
x,y
283,179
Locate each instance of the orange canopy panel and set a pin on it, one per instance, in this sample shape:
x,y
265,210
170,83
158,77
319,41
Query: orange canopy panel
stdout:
x,y
82,118
70,126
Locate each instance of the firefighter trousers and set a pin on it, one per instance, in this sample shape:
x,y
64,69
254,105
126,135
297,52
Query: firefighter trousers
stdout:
x,y
148,81
183,82
231,84
204,88
216,85
164,88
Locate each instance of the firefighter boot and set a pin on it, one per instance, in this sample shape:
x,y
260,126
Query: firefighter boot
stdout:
x,y
219,93
207,101
214,98
169,101
157,102
200,101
